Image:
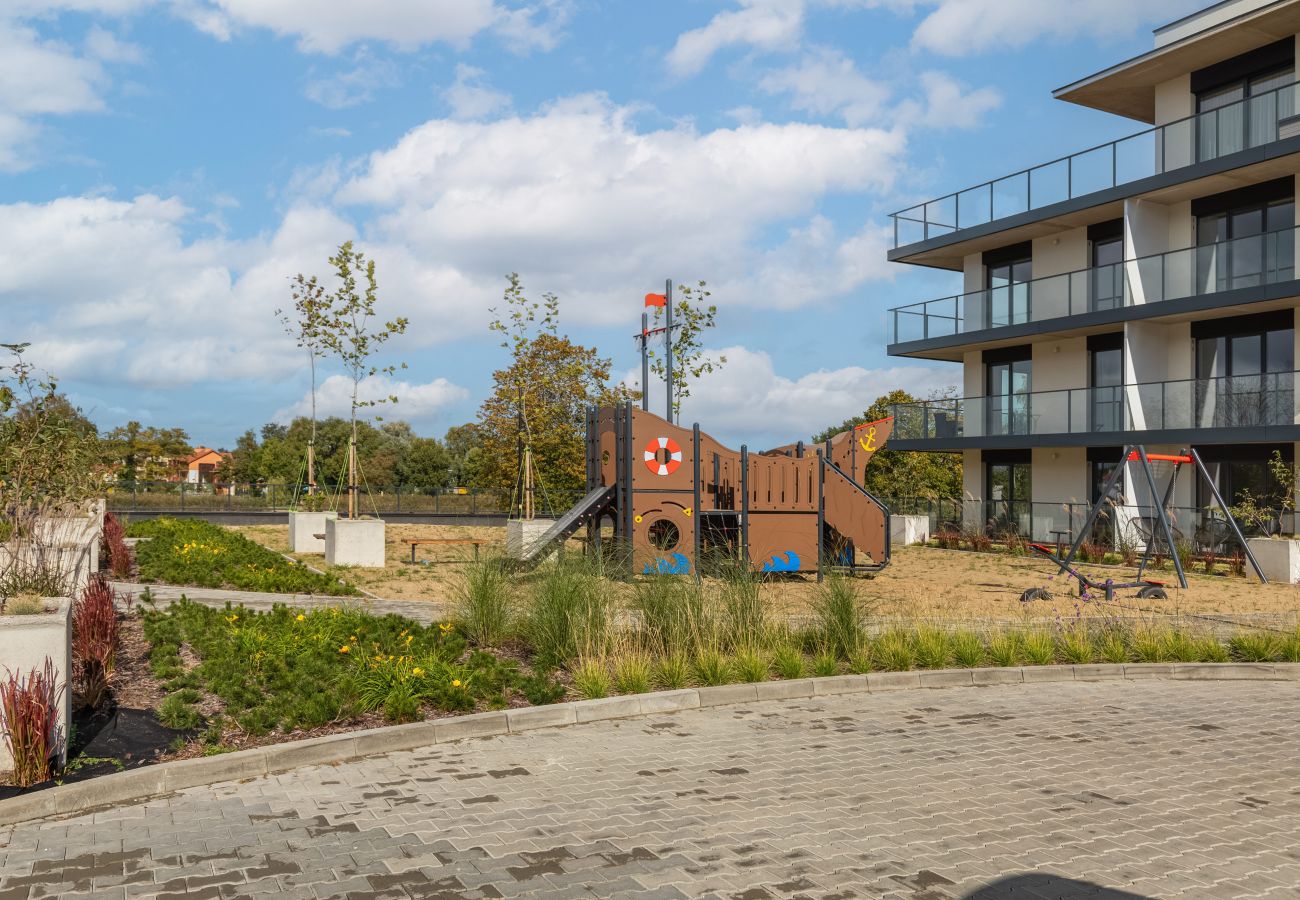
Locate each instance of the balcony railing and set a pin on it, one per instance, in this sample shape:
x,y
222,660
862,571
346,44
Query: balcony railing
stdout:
x,y
1237,401
1251,122
1249,261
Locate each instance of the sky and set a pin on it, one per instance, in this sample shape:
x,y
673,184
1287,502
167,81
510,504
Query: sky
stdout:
x,y
166,166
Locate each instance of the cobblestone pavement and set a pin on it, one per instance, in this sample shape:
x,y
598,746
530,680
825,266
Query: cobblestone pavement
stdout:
x,y
1109,789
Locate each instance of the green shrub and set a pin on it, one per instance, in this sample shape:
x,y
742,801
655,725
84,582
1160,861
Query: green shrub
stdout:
x,y
749,666
1291,646
1211,649
825,664
893,651
1111,646
788,662
860,662
1256,647
672,672
1149,645
591,679
196,552
967,649
673,612
1074,644
178,714
841,614
632,674
485,601
568,613
744,623
1181,647
931,647
1038,648
1004,648
711,668
541,689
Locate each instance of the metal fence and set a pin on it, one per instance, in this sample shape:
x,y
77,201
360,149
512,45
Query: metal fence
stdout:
x,y
187,497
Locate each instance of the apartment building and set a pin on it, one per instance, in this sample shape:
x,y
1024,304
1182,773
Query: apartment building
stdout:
x,y
1140,291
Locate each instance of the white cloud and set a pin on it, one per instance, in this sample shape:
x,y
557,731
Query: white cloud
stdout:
x,y
765,24
38,76
582,203
353,86
471,98
748,400
106,46
965,27
948,104
415,402
826,82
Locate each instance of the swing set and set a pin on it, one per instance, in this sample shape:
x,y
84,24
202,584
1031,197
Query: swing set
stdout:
x,y
1147,588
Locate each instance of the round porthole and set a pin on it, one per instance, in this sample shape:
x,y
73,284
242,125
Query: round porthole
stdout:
x,y
664,534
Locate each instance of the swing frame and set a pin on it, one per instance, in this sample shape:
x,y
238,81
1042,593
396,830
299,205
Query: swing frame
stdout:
x,y
1146,586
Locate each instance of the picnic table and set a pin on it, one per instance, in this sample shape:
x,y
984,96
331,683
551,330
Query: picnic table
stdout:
x,y
415,542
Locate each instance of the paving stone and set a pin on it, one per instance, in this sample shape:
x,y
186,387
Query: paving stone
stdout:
x,y
1151,787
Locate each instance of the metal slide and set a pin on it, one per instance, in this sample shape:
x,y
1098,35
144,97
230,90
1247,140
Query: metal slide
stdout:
x,y
589,507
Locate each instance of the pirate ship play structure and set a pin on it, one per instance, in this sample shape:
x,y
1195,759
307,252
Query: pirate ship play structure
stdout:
x,y
676,496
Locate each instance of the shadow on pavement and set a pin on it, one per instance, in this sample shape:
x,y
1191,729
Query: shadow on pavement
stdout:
x,y
1036,886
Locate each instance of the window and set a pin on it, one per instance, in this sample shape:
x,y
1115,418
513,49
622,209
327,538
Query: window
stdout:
x,y
1243,113
1244,371
1242,472
1007,390
1106,363
1009,493
1245,244
1007,272
1106,282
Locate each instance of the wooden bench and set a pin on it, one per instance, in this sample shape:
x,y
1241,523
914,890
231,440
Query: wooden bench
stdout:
x,y
415,542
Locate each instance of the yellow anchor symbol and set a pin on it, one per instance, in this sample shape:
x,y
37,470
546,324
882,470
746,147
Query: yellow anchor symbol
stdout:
x,y
869,444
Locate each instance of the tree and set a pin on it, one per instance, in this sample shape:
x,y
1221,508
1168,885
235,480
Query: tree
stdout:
x,y
896,474
691,317
539,401
137,453
347,332
426,464
307,326
464,455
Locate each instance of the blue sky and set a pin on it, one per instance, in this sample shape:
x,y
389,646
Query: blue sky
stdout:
x,y
167,165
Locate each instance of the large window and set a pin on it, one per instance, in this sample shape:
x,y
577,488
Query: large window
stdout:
x,y
1242,474
1243,112
1245,246
1007,390
1009,492
1244,369
1007,272
1106,284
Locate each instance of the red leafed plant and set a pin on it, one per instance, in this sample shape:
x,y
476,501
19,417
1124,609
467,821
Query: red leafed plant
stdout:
x,y
94,641
119,554
29,715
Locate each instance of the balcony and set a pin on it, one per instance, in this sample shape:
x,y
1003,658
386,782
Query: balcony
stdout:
x,y
1202,138
1193,272
1101,415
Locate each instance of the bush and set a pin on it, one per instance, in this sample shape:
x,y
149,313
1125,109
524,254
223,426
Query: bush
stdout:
x,y
632,674
711,668
930,647
673,613
841,614
967,649
894,652
1004,649
788,662
120,560
175,713
1074,644
671,672
29,716
743,617
825,664
1261,647
1038,648
568,613
591,679
94,642
200,553
749,666
485,604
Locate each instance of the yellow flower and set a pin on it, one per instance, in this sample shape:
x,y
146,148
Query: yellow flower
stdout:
x,y
445,627
417,671
455,682
345,649
301,617
409,638
232,619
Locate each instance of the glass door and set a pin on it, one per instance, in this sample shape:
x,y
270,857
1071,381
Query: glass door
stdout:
x,y
1107,412
1008,397
1107,281
1008,292
1009,493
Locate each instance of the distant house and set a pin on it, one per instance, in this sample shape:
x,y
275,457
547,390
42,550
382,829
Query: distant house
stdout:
x,y
202,465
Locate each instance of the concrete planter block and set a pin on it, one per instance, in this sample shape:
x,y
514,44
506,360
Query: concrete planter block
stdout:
x,y
489,724
839,684
303,528
1011,675
726,694
796,689
945,678
1149,670
607,708
1040,674
1278,557
522,534
1224,671
892,681
1098,671
541,717
25,643
670,701
355,542
905,531
389,738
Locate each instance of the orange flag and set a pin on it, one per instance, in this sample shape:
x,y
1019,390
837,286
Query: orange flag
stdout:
x,y
656,300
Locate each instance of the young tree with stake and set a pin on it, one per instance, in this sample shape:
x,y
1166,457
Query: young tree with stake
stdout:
x,y
687,320
346,333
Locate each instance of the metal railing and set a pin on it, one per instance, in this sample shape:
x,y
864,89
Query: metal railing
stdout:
x,y
1205,136
186,497
1236,401
1258,259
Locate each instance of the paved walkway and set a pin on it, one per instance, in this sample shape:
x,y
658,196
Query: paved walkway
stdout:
x,y
425,611
1110,790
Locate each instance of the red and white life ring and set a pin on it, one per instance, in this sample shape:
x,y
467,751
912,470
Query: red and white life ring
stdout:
x,y
665,467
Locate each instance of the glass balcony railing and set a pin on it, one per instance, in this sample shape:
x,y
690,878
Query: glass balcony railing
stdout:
x,y
1210,269
1210,135
1236,401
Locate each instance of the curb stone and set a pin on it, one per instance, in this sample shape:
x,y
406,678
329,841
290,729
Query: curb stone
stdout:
x,y
149,782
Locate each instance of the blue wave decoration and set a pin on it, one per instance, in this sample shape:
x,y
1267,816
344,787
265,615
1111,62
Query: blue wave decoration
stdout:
x,y
776,564
676,564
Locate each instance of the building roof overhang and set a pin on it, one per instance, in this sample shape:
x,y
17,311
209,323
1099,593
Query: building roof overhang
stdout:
x,y
1129,88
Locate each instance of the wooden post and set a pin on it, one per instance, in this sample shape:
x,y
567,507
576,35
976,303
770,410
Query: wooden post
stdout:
x,y
352,475
311,467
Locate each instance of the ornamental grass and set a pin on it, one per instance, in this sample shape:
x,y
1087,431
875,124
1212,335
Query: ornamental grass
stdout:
x,y
29,717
